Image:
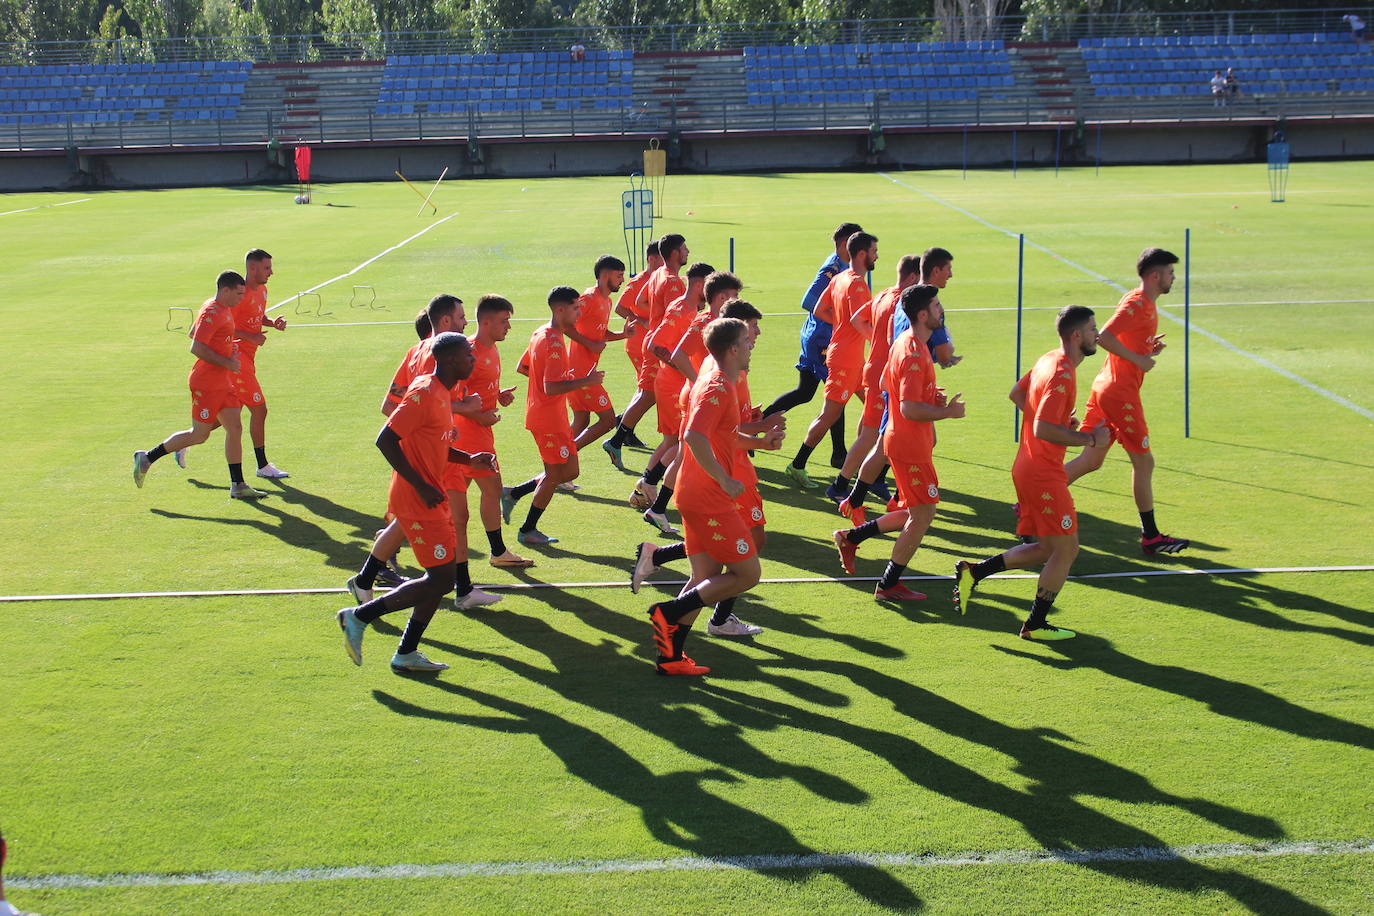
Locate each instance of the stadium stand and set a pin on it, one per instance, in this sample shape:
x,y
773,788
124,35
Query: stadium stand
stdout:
x,y
103,93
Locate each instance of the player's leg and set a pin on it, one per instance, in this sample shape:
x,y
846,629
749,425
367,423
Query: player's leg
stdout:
x,y
864,440
831,411
645,489
639,405
605,422
1063,550
231,418
723,620
657,513
384,547
805,390
580,418
466,595
890,587
649,557
560,466
489,510
847,540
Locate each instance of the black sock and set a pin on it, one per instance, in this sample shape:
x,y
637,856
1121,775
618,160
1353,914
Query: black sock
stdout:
x,y
863,532
260,453
683,604
368,575
463,581
723,611
532,519
670,553
1039,609
655,472
988,567
236,473
803,453
621,433
881,479
837,436
521,490
410,639
857,492
660,505
370,610
158,451
841,483
891,574
680,639
1147,524
497,542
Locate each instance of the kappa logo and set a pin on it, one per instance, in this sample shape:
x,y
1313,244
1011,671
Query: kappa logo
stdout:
x,y
933,491
204,413
756,514
717,537
418,542
741,546
712,523
439,551
1066,523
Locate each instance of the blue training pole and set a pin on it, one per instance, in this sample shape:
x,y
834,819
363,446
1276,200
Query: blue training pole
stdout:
x,y
732,254
1020,277
1187,327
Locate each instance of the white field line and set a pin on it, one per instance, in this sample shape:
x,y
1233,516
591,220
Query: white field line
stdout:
x,y
1291,376
65,203
375,257
808,861
624,583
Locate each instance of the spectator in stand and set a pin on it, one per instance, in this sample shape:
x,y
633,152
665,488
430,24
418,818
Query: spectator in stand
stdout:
x,y
1232,85
578,51
1218,89
1356,26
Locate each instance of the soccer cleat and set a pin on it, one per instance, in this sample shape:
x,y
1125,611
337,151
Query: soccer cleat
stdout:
x,y
1045,633
180,456
568,487
141,465
415,661
475,598
534,536
663,631
881,491
643,495
733,626
644,565
507,504
800,477
898,592
241,490
856,514
633,441
660,521
353,629
1162,544
894,505
681,667
964,584
835,494
389,576
510,560
847,551
272,472
360,594
614,452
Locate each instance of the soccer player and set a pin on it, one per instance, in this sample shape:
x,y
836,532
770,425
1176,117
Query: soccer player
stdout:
x,y
724,560
417,442
1131,340
634,308
846,305
909,442
552,379
663,287
214,400
587,339
815,337
250,321
1046,396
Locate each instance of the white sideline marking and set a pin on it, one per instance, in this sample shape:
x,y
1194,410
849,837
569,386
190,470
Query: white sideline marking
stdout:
x,y
65,203
1291,376
810,861
375,257
625,583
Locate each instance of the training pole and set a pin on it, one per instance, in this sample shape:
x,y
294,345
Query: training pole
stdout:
x,y
431,194
732,254
965,152
1098,170
1013,154
1020,285
1187,326
1057,132
418,192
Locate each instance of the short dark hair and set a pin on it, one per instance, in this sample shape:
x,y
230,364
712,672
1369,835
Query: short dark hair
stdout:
x,y
670,242
651,249
909,264
448,340
1071,318
423,328
917,298
491,303
700,271
722,334
738,308
843,233
720,281
607,262
229,279
933,258
441,305
256,254
1151,258
562,295
861,241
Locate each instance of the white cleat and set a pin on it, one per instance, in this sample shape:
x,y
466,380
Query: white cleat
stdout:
x,y
644,565
415,661
180,456
568,487
733,626
643,495
660,521
476,598
272,472
360,594
241,490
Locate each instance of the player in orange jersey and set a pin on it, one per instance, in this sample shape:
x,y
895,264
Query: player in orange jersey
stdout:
x,y
724,560
916,403
417,442
586,341
846,305
1046,394
552,379
214,400
634,308
1132,342
663,287
250,321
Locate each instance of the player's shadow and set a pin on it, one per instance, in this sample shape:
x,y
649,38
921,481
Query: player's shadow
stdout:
x,y
282,526
364,524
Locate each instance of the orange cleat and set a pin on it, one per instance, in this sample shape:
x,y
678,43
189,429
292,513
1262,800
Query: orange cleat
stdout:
x,y
856,514
663,631
894,505
847,551
681,667
898,592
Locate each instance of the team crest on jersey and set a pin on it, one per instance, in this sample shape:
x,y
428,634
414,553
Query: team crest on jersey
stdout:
x,y
756,513
1066,523
204,413
1145,442
602,401
741,546
933,492
439,552
563,451
257,397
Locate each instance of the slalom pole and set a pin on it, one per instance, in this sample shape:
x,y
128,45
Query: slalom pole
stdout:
x,y
1187,327
431,194
420,193
1020,285
732,254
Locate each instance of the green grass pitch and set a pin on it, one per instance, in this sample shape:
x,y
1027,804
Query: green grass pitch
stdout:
x,y
172,736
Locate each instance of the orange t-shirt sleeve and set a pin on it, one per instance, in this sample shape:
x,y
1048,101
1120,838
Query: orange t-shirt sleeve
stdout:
x,y
409,416
1055,405
1024,383
858,302
204,331
555,361
1122,325
400,381
707,412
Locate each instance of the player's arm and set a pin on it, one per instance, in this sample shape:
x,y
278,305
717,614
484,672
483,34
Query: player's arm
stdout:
x,y
1058,434
592,345
701,451
556,387
818,285
862,319
259,339
484,460
825,310
925,412
944,355
389,444
1017,395
202,350
680,361
1112,344
627,331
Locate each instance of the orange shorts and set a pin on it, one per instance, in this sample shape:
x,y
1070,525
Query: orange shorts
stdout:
x,y
592,399
667,399
457,476
246,383
648,371
434,540
843,382
750,505
873,408
724,537
1124,417
206,403
917,483
634,349
555,446
1046,507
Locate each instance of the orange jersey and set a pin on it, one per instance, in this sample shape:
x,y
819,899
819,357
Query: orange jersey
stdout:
x,y
908,376
883,308
1051,387
1135,321
744,468
848,296
713,411
547,359
632,298
591,324
485,382
214,327
662,289
248,316
424,422
418,361
693,342
677,321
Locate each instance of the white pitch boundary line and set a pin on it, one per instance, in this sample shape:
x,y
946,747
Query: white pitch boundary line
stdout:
x,y
65,203
808,861
624,583
1291,376
375,257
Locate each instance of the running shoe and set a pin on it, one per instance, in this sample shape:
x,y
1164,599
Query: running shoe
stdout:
x,y
1162,544
1045,633
644,565
660,521
141,465
272,472
847,550
856,514
241,490
568,487
360,594
507,504
800,477
881,491
415,661
894,505
389,576
535,537
733,626
509,560
835,493
681,667
180,456
964,584
353,630
475,598
898,592
633,441
614,452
